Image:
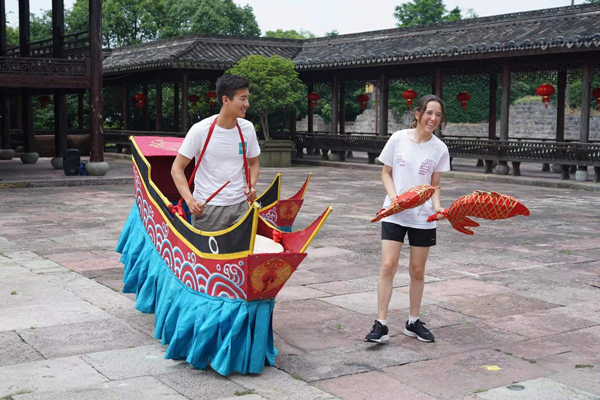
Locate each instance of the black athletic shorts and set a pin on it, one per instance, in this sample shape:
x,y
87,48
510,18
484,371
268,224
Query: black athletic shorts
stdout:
x,y
416,237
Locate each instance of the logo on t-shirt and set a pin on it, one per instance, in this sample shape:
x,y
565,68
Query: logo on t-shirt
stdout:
x,y
400,161
241,148
425,166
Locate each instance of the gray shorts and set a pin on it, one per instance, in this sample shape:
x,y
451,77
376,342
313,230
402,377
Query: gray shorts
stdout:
x,y
217,218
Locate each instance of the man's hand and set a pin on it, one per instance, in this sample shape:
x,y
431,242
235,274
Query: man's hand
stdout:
x,y
196,208
250,194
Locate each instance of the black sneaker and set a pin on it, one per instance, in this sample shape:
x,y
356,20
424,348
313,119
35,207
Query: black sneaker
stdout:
x,y
379,333
418,330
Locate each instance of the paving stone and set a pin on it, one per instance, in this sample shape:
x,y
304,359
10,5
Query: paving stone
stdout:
x,y
434,316
245,397
347,360
110,277
463,288
466,373
274,384
537,389
584,376
292,293
13,350
366,302
369,385
131,363
460,339
495,305
128,389
327,252
199,385
87,337
61,374
297,312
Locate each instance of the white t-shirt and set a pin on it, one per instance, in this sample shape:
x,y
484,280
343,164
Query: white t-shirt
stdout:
x,y
413,164
222,161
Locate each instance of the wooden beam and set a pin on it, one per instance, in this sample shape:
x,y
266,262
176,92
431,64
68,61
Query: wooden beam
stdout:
x,y
24,28
96,138
4,119
58,28
505,104
493,107
60,122
184,101
28,138
44,82
334,104
342,116
159,103
560,106
383,104
586,93
125,104
310,88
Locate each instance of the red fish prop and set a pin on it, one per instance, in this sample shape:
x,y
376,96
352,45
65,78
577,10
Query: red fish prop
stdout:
x,y
480,204
412,198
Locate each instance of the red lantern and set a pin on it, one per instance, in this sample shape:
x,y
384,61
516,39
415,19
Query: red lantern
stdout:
x,y
545,90
210,96
44,100
194,99
409,95
139,100
464,98
596,95
362,99
313,98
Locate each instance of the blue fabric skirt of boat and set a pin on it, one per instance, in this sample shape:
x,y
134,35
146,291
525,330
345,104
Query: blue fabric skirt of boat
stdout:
x,y
229,335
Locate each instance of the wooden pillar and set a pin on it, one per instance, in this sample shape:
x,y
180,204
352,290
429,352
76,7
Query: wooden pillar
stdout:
x,y
184,101
383,104
4,120
310,128
560,106
493,107
505,104
586,93
334,104
60,123
159,105
125,103
28,137
176,107
293,121
58,28
342,116
80,111
96,130
2,28
24,28
145,112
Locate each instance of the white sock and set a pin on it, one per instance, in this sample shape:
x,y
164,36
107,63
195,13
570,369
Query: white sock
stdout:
x,y
382,321
412,320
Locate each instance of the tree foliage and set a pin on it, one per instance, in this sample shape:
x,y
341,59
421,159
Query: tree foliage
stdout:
x,y
291,34
421,12
274,86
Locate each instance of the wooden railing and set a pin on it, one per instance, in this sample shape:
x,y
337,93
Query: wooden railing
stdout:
x,y
74,44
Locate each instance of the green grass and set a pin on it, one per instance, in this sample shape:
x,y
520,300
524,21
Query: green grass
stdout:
x,y
13,292
567,252
583,366
244,392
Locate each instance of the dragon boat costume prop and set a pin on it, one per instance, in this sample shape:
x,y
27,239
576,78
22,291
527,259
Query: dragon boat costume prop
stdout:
x,y
212,293
480,204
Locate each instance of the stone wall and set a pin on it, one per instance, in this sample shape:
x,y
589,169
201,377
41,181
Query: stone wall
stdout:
x,y
527,120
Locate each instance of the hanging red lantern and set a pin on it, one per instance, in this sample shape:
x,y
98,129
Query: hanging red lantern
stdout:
x,y
194,99
545,90
44,100
464,98
210,96
313,98
596,95
409,95
362,99
139,100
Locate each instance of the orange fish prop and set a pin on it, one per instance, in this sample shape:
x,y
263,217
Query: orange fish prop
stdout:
x,y
413,197
480,204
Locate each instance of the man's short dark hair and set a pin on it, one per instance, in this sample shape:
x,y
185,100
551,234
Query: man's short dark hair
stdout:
x,y
227,85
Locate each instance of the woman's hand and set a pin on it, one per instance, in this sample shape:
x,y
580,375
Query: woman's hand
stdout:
x,y
440,213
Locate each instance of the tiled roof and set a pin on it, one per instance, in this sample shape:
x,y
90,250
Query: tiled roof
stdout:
x,y
568,28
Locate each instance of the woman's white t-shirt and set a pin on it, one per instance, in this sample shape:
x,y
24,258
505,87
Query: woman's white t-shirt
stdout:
x,y
413,164
222,161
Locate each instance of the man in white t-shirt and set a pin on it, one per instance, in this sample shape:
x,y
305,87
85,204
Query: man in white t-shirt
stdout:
x,y
222,161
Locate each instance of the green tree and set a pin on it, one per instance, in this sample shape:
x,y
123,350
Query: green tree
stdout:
x,y
291,34
332,33
12,36
274,85
421,12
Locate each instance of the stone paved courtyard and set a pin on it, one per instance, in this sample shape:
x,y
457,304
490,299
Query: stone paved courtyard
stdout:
x,y
515,308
